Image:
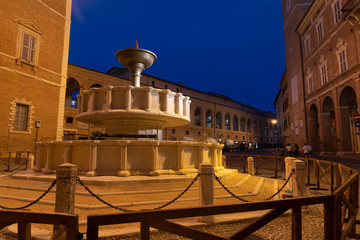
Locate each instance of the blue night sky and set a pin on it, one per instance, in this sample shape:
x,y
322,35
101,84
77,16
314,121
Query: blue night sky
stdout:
x,y
231,47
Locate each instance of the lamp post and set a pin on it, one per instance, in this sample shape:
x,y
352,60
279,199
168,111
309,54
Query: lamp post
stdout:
x,y
274,121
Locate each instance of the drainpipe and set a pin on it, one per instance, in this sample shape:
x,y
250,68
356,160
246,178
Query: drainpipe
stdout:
x,y
303,87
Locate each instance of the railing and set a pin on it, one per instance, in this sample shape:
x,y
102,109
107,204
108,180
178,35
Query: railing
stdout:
x,y
340,207
14,158
24,220
349,7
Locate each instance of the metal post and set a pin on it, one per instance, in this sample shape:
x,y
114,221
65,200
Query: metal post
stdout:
x,y
9,161
65,195
206,188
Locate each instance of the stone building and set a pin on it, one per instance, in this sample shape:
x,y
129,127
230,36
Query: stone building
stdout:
x,y
34,47
213,116
328,60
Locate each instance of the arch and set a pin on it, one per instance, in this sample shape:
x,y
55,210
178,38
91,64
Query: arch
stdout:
x,y
242,124
218,123
96,85
209,119
255,127
248,125
72,90
227,122
197,117
348,109
235,123
313,128
328,125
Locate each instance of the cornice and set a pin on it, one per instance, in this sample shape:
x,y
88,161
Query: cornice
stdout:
x,y
309,15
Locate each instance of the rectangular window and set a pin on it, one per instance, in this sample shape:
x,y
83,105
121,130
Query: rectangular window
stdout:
x,y
165,86
320,31
342,60
21,117
172,130
69,119
153,83
323,75
337,11
311,87
307,46
187,132
28,47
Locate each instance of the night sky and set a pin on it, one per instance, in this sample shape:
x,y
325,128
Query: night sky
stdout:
x,y
231,47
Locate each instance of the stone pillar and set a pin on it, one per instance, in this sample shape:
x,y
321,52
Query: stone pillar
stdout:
x,y
288,169
251,165
128,97
65,195
298,179
206,188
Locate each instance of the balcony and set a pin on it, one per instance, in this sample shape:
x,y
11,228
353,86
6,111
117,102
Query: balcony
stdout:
x,y
351,12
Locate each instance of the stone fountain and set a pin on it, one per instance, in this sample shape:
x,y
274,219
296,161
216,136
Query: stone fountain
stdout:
x,y
127,110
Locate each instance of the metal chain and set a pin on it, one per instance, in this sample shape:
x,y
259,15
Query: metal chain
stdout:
x,y
241,199
287,180
244,200
32,203
127,210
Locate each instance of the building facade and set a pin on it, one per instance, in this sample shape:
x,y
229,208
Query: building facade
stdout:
x,y
329,59
34,50
213,116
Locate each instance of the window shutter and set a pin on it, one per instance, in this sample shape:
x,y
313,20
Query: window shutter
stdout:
x,y
32,49
25,46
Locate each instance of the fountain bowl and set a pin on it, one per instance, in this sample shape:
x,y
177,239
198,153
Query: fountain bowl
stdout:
x,y
132,56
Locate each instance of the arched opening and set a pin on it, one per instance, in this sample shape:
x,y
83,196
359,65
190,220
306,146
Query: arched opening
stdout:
x,y
248,125
218,120
348,109
255,127
96,85
72,90
329,126
235,124
227,122
242,124
313,128
197,117
208,119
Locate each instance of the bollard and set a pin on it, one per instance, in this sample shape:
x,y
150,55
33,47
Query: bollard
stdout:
x,y
206,188
65,195
299,178
288,169
251,165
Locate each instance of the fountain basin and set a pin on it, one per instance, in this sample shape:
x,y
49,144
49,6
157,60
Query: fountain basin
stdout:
x,y
128,109
133,56
122,158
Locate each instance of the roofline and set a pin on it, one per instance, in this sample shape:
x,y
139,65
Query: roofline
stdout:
x,y
314,7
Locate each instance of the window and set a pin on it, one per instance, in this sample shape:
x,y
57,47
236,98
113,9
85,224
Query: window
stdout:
x,y
235,124
266,129
187,132
197,117
320,32
153,83
199,133
69,119
166,86
248,125
337,11
21,117
342,61
173,130
208,119
307,45
218,121
28,43
255,126
323,74
227,122
242,125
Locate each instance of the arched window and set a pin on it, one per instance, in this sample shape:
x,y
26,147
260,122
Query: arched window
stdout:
x,y
248,125
96,85
255,126
197,117
227,122
208,119
218,120
266,129
72,90
235,124
242,124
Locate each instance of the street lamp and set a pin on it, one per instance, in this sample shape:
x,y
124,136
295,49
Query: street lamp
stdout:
x,y
274,121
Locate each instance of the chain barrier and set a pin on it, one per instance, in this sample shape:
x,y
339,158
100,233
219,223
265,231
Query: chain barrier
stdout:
x,y
244,200
35,201
21,165
128,210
